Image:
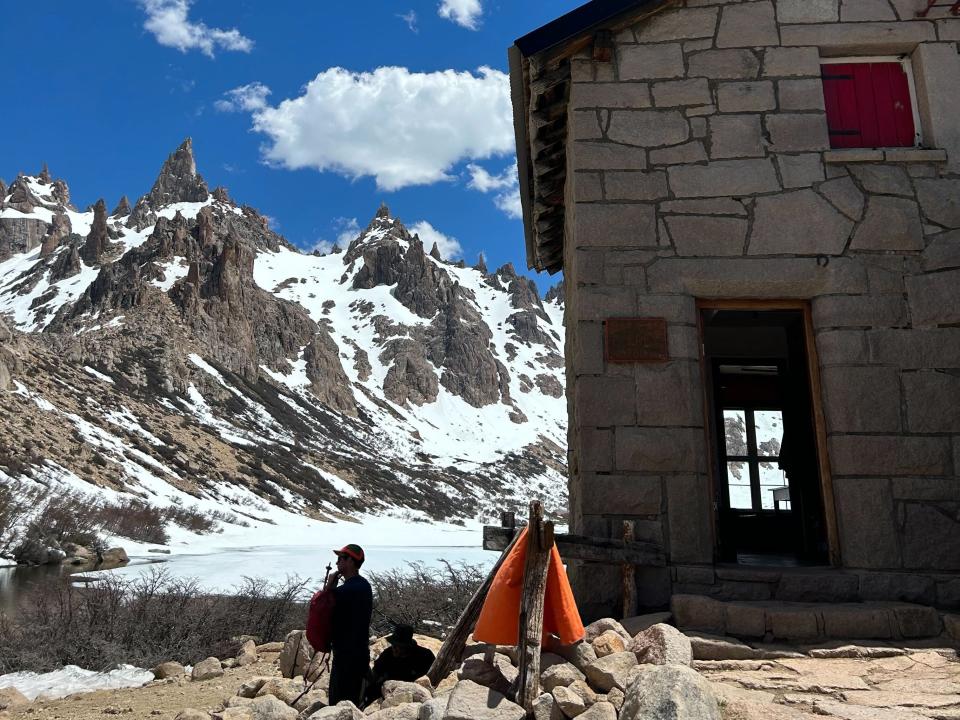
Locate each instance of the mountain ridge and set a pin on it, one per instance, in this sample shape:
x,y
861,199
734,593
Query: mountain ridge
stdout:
x,y
379,379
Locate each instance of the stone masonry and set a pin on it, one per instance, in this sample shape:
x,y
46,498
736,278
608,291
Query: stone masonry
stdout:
x,y
699,166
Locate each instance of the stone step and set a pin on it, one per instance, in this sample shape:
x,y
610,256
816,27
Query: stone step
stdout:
x,y
806,622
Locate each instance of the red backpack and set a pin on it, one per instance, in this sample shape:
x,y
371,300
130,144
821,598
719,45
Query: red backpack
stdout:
x,y
320,620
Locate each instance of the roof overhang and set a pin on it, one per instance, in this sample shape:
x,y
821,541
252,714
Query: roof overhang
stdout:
x,y
540,90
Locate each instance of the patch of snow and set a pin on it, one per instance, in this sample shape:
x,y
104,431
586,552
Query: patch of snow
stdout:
x,y
72,679
98,375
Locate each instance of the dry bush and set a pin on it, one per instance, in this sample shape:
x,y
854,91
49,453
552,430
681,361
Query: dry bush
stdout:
x,y
17,503
134,519
142,621
428,598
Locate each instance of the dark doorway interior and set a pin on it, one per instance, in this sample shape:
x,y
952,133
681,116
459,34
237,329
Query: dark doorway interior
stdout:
x,y
768,491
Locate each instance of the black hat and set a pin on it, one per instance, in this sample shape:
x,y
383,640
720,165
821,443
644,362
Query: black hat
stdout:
x,y
402,635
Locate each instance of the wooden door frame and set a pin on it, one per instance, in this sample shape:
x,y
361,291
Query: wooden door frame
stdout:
x,y
816,392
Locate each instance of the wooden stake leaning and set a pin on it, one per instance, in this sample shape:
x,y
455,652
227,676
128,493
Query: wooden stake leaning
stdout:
x,y
449,655
530,629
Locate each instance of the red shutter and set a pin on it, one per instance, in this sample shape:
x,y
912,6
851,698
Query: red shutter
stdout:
x,y
868,105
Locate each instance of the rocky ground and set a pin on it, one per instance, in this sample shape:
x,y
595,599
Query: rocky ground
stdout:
x,y
627,670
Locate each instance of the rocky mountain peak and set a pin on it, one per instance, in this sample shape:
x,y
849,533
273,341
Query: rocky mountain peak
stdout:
x,y
555,294
44,175
435,252
481,265
97,240
383,211
122,209
178,181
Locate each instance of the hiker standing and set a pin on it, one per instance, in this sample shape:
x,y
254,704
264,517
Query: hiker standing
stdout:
x,y
350,627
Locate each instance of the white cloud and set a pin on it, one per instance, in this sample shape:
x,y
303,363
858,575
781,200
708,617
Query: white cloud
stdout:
x,y
506,185
465,13
400,127
321,246
168,21
250,97
347,230
448,246
410,18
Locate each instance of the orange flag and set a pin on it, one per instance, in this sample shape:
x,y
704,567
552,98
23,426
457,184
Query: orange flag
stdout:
x,y
500,615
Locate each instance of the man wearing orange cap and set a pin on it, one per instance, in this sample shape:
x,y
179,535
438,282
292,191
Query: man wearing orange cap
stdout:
x,y
350,624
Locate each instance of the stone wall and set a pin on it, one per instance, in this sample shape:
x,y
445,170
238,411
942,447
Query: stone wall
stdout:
x,y
699,167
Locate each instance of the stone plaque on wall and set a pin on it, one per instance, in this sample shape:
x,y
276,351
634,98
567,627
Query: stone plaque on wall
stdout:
x,y
635,340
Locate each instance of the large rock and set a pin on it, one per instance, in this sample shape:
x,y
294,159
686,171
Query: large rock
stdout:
x,y
545,707
609,642
491,670
283,689
11,699
344,710
168,670
247,654
295,656
579,654
598,627
670,692
396,693
251,687
611,671
560,676
570,704
270,708
469,701
662,645
192,714
600,711
405,711
207,670
435,708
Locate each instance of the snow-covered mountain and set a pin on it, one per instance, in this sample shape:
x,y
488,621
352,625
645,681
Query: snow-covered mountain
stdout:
x,y
182,351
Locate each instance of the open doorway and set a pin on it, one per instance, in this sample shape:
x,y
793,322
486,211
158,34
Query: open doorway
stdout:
x,y
766,468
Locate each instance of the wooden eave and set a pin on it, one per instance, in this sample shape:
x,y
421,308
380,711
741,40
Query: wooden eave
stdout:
x,y
540,91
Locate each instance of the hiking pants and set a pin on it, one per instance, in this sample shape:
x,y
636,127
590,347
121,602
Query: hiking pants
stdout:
x,y
347,675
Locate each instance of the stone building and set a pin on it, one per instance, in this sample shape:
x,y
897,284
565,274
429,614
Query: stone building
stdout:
x,y
756,207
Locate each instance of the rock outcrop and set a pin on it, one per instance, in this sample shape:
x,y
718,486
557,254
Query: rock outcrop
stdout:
x,y
178,181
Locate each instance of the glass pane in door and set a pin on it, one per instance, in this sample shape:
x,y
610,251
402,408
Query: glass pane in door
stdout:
x,y
769,427
738,483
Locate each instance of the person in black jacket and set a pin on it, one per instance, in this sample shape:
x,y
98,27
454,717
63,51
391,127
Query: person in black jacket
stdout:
x,y
404,660
350,624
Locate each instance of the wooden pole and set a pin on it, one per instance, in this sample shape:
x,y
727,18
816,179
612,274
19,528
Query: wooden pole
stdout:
x,y
629,573
530,629
449,655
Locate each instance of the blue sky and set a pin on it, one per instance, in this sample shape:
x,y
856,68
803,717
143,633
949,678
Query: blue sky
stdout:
x,y
103,91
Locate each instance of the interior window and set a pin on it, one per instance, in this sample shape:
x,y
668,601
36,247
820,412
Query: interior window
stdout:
x,y
752,445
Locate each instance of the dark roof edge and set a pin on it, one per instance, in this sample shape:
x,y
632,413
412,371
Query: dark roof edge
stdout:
x,y
573,23
518,97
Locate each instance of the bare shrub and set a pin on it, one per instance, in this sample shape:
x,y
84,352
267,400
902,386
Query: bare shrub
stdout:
x,y
18,502
134,519
428,598
142,621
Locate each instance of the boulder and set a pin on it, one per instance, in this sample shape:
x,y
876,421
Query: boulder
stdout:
x,y
296,654
598,627
270,647
252,686
32,552
434,709
11,699
670,692
559,676
608,643
114,556
611,671
662,644
579,654
406,711
228,664
615,698
236,701
168,669
247,654
470,701
396,693
545,707
283,689
344,710
269,707
570,704
207,670
490,670
311,702
600,711
585,692
192,714
639,623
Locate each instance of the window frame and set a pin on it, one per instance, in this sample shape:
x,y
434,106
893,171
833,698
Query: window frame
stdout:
x,y
752,459
907,64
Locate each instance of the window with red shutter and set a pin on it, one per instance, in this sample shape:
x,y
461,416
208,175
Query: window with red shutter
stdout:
x,y
869,103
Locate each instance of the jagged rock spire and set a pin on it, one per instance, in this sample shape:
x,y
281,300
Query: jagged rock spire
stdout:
x,y
383,211
60,228
3,189
44,176
556,293
178,181
97,239
435,251
220,194
122,209
481,264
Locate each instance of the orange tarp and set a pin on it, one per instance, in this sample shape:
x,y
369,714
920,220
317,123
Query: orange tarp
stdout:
x,y
500,614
